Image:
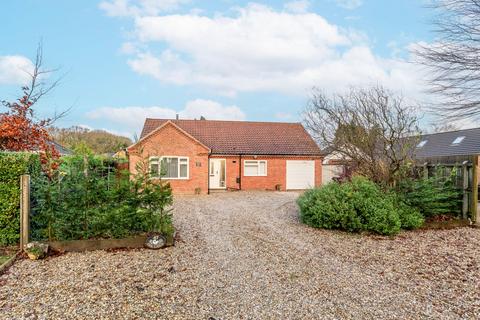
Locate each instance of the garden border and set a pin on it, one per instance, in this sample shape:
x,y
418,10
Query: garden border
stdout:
x,y
449,224
7,264
104,244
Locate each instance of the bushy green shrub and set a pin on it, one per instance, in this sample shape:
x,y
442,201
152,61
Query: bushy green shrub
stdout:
x,y
359,205
436,195
88,198
410,217
12,166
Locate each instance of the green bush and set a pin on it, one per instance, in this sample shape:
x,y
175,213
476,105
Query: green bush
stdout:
x,y
436,195
359,205
12,166
88,198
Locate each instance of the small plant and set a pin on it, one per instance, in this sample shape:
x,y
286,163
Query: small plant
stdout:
x,y
198,190
36,250
154,198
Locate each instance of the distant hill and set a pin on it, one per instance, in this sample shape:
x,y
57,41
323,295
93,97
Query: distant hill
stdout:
x,y
99,141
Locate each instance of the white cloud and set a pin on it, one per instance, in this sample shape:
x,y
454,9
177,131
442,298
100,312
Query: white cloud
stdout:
x,y
211,110
132,118
349,4
466,123
290,54
115,132
15,69
128,48
124,8
298,6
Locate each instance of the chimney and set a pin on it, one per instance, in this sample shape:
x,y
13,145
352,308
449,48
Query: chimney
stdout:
x,y
177,117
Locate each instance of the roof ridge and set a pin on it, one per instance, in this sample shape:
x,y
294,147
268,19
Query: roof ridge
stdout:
x,y
242,121
451,131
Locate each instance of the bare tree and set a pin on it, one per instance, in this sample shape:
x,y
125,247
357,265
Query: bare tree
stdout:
x,y
372,129
454,58
20,128
436,127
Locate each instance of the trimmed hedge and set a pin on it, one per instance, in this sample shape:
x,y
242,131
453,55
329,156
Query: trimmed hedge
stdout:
x,y
359,205
12,166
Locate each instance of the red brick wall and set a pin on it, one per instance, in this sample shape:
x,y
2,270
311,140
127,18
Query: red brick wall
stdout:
x,y
170,141
276,172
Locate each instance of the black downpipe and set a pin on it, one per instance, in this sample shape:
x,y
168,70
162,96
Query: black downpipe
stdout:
x,y
208,174
240,172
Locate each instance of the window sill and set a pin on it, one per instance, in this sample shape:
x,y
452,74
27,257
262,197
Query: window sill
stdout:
x,y
157,178
260,175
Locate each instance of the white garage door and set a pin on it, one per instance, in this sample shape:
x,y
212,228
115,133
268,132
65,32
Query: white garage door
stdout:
x,y
300,174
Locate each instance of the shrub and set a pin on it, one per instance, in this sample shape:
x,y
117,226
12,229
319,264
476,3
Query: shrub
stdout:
x,y
410,217
12,166
89,198
336,213
436,195
153,197
359,205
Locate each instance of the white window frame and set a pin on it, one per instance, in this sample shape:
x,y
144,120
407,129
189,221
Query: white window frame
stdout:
x,y
159,161
458,140
422,144
258,168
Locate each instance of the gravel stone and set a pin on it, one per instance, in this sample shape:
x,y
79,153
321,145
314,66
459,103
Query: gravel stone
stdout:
x,y
244,255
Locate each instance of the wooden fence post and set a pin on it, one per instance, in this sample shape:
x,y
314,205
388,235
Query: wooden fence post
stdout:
x,y
24,210
465,189
475,213
425,170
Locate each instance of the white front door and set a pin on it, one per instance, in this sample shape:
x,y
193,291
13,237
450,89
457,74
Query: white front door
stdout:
x,y
217,173
300,174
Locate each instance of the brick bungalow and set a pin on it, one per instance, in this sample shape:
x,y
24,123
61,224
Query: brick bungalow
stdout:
x,y
198,156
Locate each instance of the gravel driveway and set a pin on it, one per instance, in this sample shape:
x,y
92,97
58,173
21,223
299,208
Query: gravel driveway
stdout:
x,y
246,256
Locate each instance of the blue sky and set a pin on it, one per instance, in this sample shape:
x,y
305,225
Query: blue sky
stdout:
x,y
125,60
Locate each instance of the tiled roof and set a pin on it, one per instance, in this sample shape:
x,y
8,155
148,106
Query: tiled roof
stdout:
x,y
61,149
441,144
244,137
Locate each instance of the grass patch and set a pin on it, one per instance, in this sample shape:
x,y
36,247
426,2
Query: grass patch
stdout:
x,y
4,259
6,253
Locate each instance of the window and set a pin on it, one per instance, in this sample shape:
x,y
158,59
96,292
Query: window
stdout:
x,y
154,167
458,140
212,168
169,167
422,143
253,168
